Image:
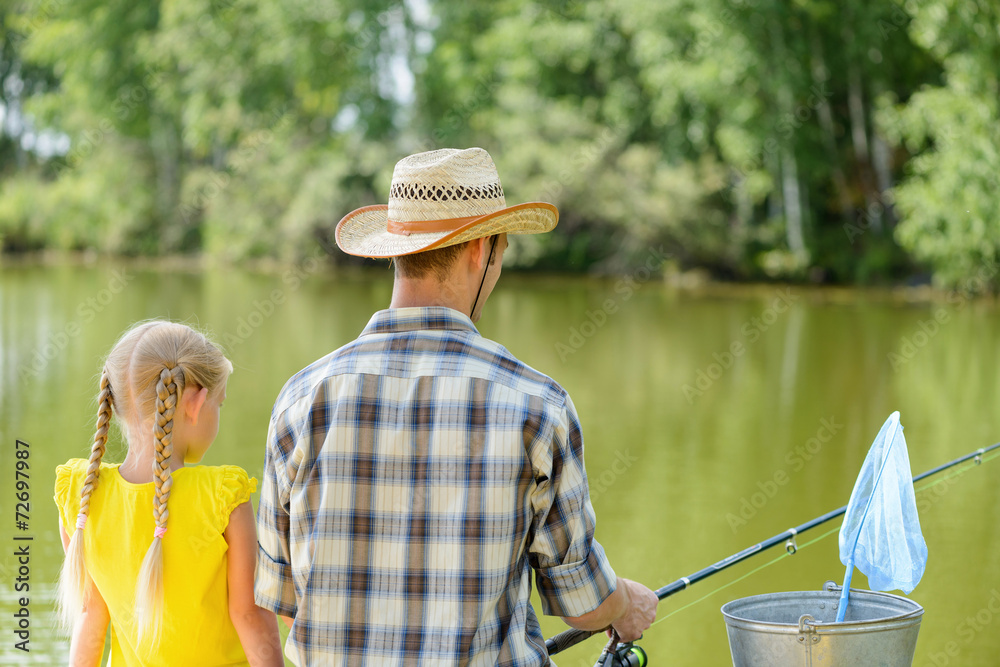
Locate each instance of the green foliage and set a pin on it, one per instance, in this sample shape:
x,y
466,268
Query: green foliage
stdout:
x,y
950,203
93,208
757,138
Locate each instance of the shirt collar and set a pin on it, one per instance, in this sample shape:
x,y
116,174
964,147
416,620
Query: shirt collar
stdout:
x,y
396,320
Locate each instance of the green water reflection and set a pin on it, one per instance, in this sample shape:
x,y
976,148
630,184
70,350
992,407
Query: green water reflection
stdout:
x,y
711,421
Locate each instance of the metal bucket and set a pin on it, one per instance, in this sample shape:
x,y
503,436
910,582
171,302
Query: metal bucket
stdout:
x,y
797,629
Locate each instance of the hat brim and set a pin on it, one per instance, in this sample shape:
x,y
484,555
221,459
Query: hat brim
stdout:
x,y
363,232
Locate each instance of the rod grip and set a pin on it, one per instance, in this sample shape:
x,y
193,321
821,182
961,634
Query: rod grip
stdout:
x,y
566,639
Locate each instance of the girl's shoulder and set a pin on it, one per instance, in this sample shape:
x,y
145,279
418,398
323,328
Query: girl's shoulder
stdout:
x,y
222,474
235,488
70,477
65,474
230,485
70,467
79,466
73,471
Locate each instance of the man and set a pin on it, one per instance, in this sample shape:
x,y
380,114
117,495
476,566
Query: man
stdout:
x,y
415,478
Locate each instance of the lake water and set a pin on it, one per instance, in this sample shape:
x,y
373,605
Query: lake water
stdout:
x,y
712,420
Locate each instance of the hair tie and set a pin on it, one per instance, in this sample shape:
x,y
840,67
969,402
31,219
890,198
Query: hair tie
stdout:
x,y
160,531
81,520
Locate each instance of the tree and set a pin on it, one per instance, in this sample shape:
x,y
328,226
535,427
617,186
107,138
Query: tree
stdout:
x,y
951,212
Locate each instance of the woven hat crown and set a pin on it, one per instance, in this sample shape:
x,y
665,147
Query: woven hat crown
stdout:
x,y
445,184
436,199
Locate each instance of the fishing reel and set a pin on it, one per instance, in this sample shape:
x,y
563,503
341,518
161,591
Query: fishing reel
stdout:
x,y
625,655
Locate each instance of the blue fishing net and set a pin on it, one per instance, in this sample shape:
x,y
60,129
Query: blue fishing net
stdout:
x,y
881,530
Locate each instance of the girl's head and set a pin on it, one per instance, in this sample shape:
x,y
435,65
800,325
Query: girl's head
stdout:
x,y
141,356
156,369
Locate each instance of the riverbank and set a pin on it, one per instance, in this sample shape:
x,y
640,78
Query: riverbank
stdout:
x,y
695,282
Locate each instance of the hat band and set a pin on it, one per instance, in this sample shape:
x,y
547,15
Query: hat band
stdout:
x,y
428,226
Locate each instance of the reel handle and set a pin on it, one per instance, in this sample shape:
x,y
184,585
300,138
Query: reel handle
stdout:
x,y
626,655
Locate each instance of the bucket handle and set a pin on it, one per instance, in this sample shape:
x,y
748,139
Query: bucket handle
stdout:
x,y
833,587
807,629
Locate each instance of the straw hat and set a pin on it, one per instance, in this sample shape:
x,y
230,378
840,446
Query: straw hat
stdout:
x,y
437,199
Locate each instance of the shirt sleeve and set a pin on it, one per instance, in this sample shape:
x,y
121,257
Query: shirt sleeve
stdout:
x,y
274,587
235,488
572,573
63,490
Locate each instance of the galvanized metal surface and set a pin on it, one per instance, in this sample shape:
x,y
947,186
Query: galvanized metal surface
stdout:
x,y
797,629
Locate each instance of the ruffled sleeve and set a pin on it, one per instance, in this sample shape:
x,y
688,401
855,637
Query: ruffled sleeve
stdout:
x,y
235,487
67,479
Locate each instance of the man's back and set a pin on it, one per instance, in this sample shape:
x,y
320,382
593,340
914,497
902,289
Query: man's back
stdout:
x,y
413,480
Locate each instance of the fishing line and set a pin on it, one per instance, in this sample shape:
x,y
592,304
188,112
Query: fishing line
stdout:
x,y
741,578
825,535
960,471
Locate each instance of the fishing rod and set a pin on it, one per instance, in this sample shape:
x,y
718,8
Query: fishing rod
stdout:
x,y
572,637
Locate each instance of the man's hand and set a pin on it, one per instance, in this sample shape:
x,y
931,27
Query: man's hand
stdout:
x,y
639,613
629,610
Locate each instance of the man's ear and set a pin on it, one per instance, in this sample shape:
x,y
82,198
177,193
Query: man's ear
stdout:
x,y
479,249
192,403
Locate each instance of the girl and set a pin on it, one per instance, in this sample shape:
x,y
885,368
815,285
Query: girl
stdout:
x,y
164,553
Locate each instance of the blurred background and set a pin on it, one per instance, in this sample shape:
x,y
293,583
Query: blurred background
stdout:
x,y
779,223
835,142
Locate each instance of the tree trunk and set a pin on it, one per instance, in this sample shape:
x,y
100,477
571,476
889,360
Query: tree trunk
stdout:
x,y
819,75
859,136
775,201
744,206
882,162
856,106
166,146
793,202
788,169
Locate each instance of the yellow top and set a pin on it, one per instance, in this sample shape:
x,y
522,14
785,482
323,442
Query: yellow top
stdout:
x,y
196,625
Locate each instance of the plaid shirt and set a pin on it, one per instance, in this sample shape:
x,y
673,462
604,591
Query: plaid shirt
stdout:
x,y
413,479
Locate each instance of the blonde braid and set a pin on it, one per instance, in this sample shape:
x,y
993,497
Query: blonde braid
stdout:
x,y
171,383
73,576
149,590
